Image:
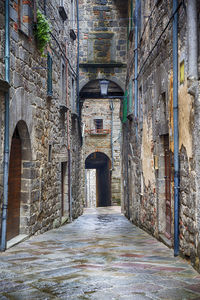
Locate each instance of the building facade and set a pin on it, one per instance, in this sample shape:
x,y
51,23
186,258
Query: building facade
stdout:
x,y
43,130
101,149
160,135
102,57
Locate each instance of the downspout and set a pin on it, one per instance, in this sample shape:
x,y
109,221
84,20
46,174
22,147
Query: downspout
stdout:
x,y
136,66
192,39
111,135
6,133
176,131
68,143
78,54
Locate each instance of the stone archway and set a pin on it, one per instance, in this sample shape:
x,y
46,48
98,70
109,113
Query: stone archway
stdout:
x,y
102,164
21,172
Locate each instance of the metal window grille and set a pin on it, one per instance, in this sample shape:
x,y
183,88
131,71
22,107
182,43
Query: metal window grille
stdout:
x,y
98,125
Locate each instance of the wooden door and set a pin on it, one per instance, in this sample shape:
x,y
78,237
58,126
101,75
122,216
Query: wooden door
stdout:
x,y
14,188
63,187
167,185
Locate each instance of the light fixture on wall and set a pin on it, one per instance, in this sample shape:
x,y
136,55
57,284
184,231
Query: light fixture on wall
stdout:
x,y
104,87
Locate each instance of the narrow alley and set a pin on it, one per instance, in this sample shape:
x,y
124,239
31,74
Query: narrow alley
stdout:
x,y
101,256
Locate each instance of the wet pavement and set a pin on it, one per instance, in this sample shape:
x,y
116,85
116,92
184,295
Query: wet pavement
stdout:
x,y
101,256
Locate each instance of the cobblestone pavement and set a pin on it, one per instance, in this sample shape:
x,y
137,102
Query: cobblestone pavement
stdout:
x,y
102,256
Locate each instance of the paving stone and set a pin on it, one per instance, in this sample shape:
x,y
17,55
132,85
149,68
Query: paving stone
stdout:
x,y
100,256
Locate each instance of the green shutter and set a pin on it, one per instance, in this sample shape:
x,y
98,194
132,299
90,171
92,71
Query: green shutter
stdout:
x,y
49,75
125,108
130,98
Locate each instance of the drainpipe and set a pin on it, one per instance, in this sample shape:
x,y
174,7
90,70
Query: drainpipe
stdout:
x,y
111,134
176,131
68,142
6,134
78,54
192,39
136,65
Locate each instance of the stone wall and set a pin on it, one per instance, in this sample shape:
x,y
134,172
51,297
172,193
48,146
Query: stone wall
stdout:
x,y
100,108
47,125
103,41
148,171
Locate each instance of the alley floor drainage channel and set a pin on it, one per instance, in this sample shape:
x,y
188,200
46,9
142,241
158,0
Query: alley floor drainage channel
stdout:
x,y
101,256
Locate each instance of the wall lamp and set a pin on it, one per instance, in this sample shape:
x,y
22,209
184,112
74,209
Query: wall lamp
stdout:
x,y
104,87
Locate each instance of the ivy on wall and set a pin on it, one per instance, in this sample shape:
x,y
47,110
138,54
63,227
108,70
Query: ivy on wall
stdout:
x,y
42,32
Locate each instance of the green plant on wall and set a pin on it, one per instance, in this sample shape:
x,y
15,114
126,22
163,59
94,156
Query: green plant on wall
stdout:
x,y
42,31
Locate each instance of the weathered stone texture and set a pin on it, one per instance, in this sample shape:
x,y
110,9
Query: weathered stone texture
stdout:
x,y
100,108
145,158
103,40
41,124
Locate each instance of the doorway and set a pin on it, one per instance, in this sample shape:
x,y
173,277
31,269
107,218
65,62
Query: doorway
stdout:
x,y
102,164
164,188
14,187
167,185
64,190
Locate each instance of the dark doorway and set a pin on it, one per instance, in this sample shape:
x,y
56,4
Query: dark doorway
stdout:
x,y
14,187
102,164
167,185
64,197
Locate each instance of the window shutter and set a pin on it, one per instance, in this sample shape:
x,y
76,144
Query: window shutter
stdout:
x,y
49,75
26,12
125,108
130,98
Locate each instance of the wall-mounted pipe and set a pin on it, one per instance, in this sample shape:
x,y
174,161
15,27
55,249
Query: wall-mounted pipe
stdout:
x,y
136,66
176,131
78,54
68,140
192,39
111,134
6,133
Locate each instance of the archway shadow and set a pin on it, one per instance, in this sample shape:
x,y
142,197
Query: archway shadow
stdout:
x,y
102,164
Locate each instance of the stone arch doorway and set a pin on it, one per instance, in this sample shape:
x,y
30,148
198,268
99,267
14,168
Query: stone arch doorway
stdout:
x,y
20,174
102,164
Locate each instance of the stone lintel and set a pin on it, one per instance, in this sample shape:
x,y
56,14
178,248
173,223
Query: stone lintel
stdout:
x,y
103,65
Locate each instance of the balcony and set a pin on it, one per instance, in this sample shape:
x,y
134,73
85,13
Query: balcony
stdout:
x,y
97,131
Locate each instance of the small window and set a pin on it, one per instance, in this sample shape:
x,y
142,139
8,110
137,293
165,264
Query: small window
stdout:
x,y
50,153
49,75
25,17
98,123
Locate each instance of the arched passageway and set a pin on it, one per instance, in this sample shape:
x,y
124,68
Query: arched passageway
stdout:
x,y
20,170
102,164
14,187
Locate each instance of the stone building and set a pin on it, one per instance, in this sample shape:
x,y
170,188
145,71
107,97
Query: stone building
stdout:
x,y
101,148
160,153
43,130
102,57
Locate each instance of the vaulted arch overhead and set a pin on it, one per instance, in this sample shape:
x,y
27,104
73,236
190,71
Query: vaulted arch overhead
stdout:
x,y
92,90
